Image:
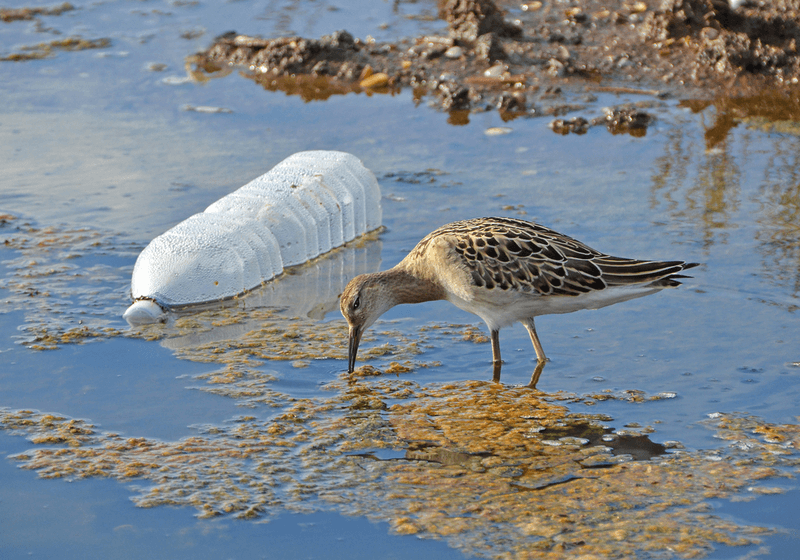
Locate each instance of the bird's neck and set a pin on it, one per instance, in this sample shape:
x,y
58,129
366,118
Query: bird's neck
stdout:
x,y
406,287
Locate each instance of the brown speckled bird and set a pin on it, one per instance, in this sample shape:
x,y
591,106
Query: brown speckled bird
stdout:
x,y
503,270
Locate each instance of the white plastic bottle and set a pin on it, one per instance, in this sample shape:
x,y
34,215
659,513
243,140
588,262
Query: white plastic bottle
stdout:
x,y
308,204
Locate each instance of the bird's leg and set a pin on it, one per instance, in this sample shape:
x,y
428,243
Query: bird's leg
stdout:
x,y
497,363
535,339
541,359
495,337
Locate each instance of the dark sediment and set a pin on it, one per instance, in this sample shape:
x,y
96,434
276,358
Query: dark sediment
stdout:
x,y
520,64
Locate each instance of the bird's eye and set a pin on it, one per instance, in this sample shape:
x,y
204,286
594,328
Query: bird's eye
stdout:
x,y
356,303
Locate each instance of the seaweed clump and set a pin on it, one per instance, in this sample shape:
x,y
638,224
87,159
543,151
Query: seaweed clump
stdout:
x,y
22,14
46,50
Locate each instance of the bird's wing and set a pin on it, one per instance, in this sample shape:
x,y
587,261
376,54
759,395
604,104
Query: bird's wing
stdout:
x,y
516,255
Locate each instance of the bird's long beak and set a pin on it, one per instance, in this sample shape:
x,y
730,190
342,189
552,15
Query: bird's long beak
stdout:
x,y
355,338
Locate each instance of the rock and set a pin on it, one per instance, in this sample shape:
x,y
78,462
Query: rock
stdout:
x,y
469,19
488,47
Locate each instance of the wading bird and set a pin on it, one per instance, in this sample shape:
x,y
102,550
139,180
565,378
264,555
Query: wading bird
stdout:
x,y
504,271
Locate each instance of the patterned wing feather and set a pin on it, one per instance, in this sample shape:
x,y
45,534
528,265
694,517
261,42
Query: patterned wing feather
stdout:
x,y
511,254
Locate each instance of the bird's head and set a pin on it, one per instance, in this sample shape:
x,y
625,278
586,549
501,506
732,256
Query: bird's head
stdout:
x,y
365,298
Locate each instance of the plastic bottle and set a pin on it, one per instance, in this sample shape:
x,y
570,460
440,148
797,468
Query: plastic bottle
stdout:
x,y
308,204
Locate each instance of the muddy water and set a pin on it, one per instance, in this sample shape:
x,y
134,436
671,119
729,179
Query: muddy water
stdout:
x,y
101,151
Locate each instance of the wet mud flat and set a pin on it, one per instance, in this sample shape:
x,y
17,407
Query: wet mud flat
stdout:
x,y
521,59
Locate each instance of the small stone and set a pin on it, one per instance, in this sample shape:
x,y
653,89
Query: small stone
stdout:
x,y
454,52
497,130
378,79
555,68
176,80
511,102
495,71
709,33
489,47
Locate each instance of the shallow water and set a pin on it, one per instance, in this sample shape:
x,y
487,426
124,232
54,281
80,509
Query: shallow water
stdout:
x,y
101,150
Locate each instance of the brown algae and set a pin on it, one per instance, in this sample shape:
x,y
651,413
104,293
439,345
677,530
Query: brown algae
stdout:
x,y
23,14
481,469
46,50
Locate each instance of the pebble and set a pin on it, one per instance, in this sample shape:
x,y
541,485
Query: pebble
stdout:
x,y
454,52
375,80
497,130
176,80
495,71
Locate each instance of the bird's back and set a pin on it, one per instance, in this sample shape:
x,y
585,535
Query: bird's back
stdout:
x,y
506,260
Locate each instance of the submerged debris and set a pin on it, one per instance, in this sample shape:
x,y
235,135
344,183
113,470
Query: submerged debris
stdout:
x,y
618,120
64,298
